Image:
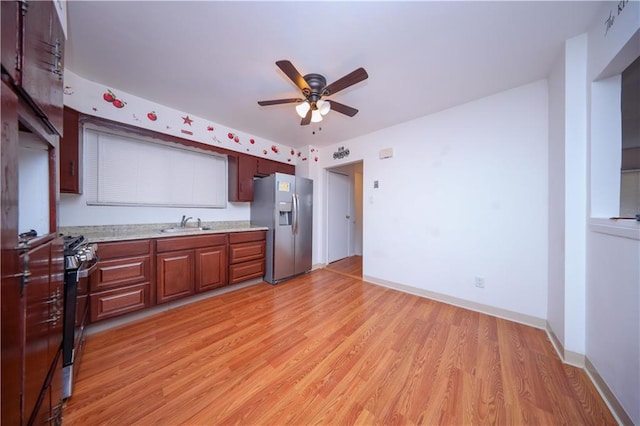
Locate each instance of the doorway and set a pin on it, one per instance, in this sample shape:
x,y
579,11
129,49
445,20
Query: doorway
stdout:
x,y
344,218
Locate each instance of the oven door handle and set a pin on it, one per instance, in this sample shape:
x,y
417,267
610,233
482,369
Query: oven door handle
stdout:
x,y
86,269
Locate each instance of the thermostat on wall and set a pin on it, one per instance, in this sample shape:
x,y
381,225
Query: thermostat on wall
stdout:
x,y
386,153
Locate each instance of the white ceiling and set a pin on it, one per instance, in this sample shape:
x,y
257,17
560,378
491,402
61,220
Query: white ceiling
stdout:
x,y
217,59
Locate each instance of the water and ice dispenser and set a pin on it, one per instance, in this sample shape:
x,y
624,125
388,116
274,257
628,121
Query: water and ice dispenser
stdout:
x,y
284,210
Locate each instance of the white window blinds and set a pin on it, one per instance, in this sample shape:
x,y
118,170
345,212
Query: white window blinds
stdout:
x,y
121,170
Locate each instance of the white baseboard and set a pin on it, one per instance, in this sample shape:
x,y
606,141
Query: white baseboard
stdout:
x,y
610,399
568,357
473,306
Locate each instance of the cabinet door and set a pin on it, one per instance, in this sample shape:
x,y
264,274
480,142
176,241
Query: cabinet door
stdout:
x,y
242,168
174,275
56,291
40,311
269,167
9,27
12,306
70,153
211,268
42,60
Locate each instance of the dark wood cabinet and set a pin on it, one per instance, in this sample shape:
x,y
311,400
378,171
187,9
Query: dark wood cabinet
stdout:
x,y
244,168
246,255
175,275
211,268
32,272
136,274
186,265
122,280
268,167
41,61
70,153
9,15
12,302
43,297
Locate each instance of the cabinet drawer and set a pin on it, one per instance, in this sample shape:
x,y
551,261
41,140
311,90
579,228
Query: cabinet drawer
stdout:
x,y
189,243
247,251
246,271
120,272
123,249
112,303
243,237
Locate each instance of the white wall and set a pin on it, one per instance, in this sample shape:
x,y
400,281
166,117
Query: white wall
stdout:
x,y
556,289
613,249
613,320
575,192
465,195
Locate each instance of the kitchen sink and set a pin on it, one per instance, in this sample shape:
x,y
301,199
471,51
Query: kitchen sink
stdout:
x,y
187,230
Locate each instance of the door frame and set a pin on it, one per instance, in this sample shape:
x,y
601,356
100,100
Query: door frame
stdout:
x,y
344,169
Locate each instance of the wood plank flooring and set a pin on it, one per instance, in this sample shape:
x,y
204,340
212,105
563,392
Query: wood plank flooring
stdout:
x,y
351,266
327,349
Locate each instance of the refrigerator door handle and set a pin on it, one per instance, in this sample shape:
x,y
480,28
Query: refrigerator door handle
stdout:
x,y
294,228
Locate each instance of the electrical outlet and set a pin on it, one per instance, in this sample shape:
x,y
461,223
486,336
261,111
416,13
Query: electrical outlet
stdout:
x,y
479,282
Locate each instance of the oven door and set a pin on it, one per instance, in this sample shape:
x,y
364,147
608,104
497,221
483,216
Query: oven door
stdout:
x,y
75,318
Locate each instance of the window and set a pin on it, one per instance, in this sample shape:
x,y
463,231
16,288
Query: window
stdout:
x,y
123,170
630,106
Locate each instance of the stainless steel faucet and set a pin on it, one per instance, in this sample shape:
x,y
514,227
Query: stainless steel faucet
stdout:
x,y
183,222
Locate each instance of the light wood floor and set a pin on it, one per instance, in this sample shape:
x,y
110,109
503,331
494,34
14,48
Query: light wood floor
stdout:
x,y
327,349
351,266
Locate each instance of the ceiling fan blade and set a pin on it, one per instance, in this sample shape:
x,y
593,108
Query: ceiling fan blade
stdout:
x,y
307,119
279,101
343,109
346,81
291,72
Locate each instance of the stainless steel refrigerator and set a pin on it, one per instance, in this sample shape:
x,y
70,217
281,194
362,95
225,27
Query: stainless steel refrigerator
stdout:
x,y
284,204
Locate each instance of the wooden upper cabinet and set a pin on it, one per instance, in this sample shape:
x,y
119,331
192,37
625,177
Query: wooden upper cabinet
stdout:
x,y
42,61
9,14
70,153
269,167
244,168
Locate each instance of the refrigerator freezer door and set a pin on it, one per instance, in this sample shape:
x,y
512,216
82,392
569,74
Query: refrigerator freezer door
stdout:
x,y
304,216
284,239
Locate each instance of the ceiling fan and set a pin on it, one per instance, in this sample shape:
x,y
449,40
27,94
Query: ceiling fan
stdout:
x,y
314,87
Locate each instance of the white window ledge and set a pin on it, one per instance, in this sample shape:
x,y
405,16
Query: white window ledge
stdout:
x,y
619,228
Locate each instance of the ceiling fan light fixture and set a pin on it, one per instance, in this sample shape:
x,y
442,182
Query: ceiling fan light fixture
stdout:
x,y
323,106
316,117
302,109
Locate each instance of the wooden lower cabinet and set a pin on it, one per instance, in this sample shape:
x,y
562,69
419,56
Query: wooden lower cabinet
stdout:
x,y
175,275
122,280
189,265
137,274
49,411
211,268
43,297
246,255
